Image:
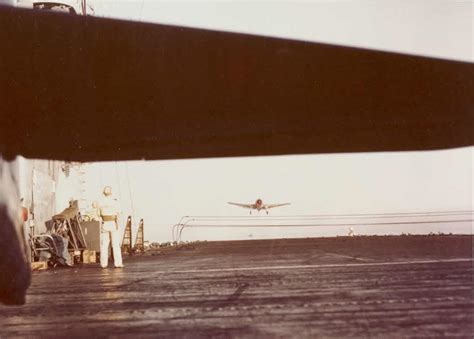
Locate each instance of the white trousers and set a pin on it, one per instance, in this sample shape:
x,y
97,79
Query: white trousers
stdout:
x,y
109,231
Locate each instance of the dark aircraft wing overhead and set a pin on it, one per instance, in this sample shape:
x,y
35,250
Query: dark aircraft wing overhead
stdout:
x,y
87,89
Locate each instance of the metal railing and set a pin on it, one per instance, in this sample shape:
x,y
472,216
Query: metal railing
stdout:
x,y
326,220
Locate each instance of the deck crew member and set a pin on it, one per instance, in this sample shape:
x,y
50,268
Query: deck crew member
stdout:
x,y
109,210
94,214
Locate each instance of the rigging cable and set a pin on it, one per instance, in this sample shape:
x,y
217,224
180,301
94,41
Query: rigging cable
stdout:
x,y
130,190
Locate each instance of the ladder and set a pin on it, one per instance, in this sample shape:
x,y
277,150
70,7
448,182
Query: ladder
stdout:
x,y
139,240
127,237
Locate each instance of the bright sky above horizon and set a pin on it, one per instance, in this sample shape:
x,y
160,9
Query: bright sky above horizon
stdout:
x,y
163,191
437,28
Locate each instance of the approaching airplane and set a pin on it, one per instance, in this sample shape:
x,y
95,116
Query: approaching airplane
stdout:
x,y
258,205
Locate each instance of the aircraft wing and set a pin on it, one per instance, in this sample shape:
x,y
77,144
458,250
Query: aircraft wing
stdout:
x,y
241,205
120,86
276,205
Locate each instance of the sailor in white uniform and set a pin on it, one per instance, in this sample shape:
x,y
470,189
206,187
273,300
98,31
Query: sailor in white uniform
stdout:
x,y
109,211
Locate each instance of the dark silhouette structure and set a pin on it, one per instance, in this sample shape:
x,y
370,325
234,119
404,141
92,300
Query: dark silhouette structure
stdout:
x,y
117,90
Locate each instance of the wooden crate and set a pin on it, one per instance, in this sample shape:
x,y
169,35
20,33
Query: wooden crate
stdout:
x,y
88,257
39,265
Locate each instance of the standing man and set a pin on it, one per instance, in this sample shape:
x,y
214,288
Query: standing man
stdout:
x,y
109,210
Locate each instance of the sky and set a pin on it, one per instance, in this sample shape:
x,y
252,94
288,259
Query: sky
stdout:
x,y
438,28
162,192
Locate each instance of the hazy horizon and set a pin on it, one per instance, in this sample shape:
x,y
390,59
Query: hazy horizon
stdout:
x,y
162,192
